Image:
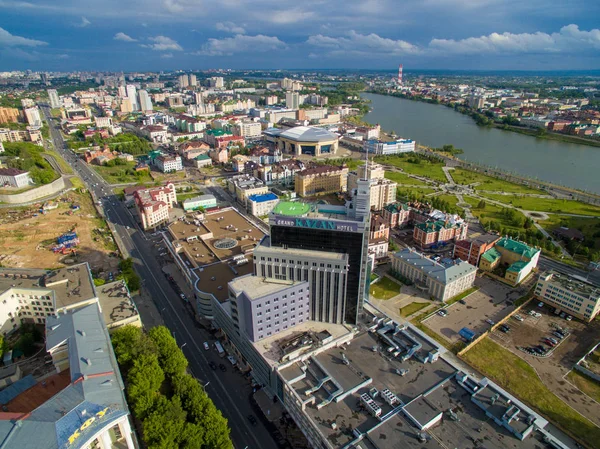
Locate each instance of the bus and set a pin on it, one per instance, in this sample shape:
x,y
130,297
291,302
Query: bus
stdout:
x,y
219,348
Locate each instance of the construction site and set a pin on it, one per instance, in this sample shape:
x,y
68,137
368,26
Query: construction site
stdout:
x,y
55,234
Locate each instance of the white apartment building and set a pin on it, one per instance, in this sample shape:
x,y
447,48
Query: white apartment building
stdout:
x,y
14,177
394,147
145,101
247,129
32,116
132,95
383,191
103,122
441,281
167,164
292,100
153,205
576,297
326,273
243,186
216,82
53,99
262,204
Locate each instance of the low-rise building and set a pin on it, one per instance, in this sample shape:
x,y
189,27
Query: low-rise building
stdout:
x,y
262,204
397,215
440,281
394,147
153,204
307,140
202,160
243,186
432,232
263,307
519,259
247,129
575,296
168,164
321,180
472,250
201,201
13,177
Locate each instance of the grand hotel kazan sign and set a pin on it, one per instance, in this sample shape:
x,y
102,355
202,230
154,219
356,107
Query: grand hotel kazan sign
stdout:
x,y
311,223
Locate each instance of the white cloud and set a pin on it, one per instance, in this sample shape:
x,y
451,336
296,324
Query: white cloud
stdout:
x,y
288,16
240,44
19,53
120,36
230,27
568,39
10,40
63,56
163,43
362,44
166,55
84,23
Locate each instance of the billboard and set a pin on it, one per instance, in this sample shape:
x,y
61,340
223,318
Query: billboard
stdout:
x,y
316,223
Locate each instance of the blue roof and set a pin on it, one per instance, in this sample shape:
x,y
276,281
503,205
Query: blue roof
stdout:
x,y
14,390
261,198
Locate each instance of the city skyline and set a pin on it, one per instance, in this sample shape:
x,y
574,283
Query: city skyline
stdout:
x,y
183,34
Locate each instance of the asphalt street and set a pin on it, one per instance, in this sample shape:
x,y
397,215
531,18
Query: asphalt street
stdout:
x,y
229,390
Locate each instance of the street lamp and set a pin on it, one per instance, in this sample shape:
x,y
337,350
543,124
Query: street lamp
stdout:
x,y
181,347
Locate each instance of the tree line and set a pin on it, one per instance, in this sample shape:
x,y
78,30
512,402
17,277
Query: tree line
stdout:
x,y
174,410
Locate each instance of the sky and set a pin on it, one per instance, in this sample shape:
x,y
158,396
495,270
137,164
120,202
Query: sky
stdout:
x,y
144,35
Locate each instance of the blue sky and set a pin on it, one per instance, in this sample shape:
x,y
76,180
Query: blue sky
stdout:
x,y
200,34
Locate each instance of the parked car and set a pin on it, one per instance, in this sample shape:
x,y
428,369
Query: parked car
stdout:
x,y
252,419
490,322
540,304
569,318
518,317
212,365
206,347
222,367
462,301
442,313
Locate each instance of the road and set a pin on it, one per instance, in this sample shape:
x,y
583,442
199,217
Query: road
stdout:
x,y
229,390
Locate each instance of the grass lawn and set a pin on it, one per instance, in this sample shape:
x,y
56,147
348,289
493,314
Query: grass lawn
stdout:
x,y
547,204
64,166
589,226
514,374
427,169
585,384
184,196
402,178
385,289
462,176
77,183
404,192
412,308
121,174
451,199
491,212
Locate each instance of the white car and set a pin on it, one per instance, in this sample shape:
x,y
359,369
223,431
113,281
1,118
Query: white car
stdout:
x,y
518,317
206,347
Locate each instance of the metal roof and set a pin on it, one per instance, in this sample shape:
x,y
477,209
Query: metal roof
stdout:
x,y
308,134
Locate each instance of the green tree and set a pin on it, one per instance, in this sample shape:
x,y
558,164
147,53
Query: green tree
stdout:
x,y
144,380
481,204
129,343
165,424
171,357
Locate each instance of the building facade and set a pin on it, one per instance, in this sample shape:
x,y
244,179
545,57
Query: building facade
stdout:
x,y
53,98
432,232
261,205
202,201
440,281
14,177
243,186
321,180
519,259
325,272
394,147
167,164
153,205
261,307
472,250
576,297
307,140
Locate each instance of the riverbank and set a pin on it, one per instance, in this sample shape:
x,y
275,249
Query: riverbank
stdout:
x,y
558,137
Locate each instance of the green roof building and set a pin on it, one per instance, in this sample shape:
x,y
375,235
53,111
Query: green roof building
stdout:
x,y
520,258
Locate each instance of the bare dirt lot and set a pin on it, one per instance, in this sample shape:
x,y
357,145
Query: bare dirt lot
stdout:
x,y
26,239
492,301
553,369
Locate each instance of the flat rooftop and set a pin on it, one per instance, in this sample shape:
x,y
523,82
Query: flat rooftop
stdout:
x,y
41,392
214,278
266,243
71,285
116,303
578,285
257,287
291,209
222,235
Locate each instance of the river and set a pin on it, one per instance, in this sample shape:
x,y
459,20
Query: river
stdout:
x,y
567,164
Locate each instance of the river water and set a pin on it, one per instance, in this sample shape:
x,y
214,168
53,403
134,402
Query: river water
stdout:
x,y
433,125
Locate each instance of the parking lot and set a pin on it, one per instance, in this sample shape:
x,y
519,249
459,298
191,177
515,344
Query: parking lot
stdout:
x,y
493,301
553,368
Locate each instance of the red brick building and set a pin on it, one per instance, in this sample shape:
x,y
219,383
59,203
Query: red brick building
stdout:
x,y
471,250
